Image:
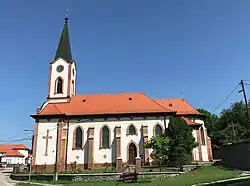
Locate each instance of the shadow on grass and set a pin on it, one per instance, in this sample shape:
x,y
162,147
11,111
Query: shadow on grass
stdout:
x,y
9,172
133,182
229,168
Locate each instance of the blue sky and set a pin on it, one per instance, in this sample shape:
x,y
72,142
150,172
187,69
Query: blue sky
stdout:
x,y
163,48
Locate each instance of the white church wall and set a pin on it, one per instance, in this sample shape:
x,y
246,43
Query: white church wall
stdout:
x,y
203,147
55,75
200,121
41,159
109,155
204,153
195,150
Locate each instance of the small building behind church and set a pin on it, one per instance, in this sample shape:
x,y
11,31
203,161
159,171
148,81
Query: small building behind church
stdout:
x,y
92,130
13,154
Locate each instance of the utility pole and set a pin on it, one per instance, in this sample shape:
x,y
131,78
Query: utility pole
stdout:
x,y
245,99
32,141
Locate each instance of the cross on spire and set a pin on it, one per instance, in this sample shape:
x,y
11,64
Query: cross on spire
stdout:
x,y
66,16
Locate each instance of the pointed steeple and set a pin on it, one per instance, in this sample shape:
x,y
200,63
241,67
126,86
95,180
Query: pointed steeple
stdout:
x,y
63,49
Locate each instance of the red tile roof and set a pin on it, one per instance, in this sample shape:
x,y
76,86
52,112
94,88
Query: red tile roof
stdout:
x,y
10,150
92,104
181,106
190,122
12,153
123,103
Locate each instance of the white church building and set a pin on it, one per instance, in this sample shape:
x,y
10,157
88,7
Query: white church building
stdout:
x,y
89,131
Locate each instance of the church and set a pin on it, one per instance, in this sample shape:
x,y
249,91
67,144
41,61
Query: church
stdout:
x,y
92,130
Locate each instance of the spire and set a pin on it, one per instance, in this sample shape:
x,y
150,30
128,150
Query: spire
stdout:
x,y
63,49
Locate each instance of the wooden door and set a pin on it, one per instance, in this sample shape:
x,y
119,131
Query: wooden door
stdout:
x,y
132,153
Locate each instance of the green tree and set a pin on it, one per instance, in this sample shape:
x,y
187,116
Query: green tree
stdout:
x,y
160,145
182,142
233,124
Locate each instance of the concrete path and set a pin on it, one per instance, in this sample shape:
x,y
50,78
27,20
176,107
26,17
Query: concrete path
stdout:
x,y
4,177
242,181
43,184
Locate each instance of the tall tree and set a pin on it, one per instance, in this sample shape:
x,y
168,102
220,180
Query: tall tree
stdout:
x,y
231,126
182,141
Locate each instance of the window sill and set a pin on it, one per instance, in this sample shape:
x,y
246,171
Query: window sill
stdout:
x,y
131,134
104,148
77,148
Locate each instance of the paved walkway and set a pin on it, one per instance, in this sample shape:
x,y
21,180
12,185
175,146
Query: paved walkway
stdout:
x,y
4,177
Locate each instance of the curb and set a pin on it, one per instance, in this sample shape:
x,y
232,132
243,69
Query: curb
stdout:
x,y
232,180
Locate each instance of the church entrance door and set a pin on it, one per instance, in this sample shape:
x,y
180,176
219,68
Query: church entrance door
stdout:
x,y
132,153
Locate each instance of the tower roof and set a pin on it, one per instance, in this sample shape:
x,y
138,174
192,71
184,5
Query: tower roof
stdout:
x,y
63,49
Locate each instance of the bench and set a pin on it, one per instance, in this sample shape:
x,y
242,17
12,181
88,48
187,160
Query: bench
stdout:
x,y
128,176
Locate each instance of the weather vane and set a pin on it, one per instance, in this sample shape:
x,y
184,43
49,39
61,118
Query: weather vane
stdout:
x,y
66,16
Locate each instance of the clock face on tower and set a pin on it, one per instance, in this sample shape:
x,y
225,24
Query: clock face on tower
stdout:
x,y
59,68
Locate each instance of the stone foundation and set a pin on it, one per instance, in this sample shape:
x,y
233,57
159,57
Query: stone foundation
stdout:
x,y
71,167
88,177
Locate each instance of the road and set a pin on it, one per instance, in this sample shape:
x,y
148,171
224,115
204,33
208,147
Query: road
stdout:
x,y
4,177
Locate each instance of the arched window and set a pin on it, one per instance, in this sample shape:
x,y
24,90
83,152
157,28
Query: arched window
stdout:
x,y
59,85
73,88
131,130
78,143
203,139
104,137
158,130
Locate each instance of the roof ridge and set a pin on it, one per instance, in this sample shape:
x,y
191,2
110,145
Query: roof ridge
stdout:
x,y
191,106
157,102
120,93
168,98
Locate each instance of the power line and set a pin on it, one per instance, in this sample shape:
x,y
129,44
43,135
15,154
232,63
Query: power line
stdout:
x,y
18,140
247,84
225,98
13,137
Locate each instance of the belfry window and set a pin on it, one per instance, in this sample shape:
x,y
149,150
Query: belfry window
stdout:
x,y
59,86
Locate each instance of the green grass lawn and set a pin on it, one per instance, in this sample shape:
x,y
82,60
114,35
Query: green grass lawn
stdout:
x,y
204,174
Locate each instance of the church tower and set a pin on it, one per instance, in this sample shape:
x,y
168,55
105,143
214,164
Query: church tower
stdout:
x,y
62,74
